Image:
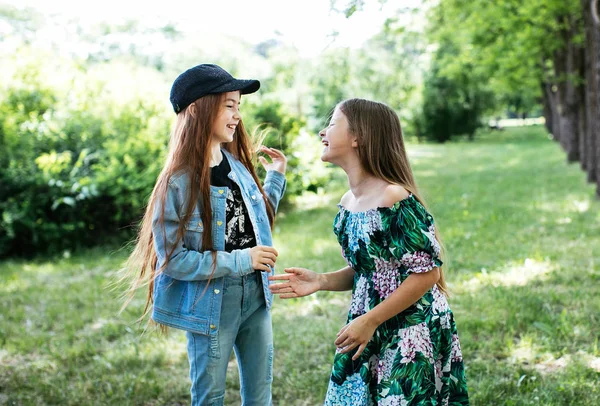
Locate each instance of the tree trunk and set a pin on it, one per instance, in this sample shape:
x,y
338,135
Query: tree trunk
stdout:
x,y
595,50
548,110
592,108
567,65
551,95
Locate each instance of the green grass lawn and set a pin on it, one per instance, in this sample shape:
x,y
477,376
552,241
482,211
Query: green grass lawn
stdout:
x,y
521,228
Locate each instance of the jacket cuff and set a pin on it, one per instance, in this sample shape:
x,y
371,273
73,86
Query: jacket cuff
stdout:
x,y
244,262
277,179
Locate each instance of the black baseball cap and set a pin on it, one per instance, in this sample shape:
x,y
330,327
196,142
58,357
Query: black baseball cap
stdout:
x,y
206,79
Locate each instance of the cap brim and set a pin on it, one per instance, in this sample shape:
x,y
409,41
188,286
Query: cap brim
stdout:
x,y
245,86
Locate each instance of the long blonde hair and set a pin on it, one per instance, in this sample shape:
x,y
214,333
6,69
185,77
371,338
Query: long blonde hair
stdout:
x,y
381,149
189,152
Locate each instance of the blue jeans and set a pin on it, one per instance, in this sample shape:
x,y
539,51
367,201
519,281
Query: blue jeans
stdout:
x,y
245,327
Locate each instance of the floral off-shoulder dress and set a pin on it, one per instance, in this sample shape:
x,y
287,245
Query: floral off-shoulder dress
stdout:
x,y
414,358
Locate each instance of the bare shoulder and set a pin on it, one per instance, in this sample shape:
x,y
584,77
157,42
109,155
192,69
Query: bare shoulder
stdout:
x,y
393,194
346,198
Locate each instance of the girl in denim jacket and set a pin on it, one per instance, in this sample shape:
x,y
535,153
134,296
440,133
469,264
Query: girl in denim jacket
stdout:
x,y
204,246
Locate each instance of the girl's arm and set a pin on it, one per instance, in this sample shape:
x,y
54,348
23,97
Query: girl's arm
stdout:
x,y
342,279
298,282
408,293
359,331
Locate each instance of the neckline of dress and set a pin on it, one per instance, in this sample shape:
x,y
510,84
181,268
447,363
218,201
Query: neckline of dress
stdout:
x,y
379,208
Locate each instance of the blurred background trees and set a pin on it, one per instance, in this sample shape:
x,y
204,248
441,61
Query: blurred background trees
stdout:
x,y
85,118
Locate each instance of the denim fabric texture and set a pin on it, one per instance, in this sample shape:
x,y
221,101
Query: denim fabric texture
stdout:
x,y
183,297
245,327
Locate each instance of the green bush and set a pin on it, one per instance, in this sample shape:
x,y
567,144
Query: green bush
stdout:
x,y
78,158
81,148
453,103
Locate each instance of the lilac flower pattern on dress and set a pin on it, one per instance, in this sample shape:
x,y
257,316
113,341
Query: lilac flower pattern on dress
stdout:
x,y
384,369
430,233
418,262
360,297
445,321
415,339
440,303
373,365
456,352
385,277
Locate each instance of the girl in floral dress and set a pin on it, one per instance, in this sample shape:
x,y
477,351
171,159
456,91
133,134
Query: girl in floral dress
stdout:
x,y
400,344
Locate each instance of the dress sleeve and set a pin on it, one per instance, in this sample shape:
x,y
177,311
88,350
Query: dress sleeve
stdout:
x,y
412,235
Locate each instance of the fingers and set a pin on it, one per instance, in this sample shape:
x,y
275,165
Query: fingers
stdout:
x,y
359,351
262,267
344,341
281,277
270,255
290,272
272,152
263,161
282,290
343,329
281,287
266,261
268,249
263,258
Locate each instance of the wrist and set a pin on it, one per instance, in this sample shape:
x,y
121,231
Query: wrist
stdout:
x,y
374,319
321,281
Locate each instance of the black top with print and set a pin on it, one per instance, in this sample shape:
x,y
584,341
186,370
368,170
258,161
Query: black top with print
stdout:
x,y
239,233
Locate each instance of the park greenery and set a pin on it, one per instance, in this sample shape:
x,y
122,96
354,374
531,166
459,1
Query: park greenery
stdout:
x,y
84,123
84,126
520,227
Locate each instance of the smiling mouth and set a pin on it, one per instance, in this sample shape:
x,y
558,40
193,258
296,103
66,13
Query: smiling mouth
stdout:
x,y
325,143
231,126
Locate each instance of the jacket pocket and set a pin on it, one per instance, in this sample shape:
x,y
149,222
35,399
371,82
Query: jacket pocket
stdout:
x,y
258,203
192,238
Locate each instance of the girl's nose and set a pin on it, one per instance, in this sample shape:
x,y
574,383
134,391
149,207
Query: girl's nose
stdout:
x,y
322,133
237,115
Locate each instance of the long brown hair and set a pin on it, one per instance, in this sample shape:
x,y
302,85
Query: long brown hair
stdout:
x,y
189,152
381,149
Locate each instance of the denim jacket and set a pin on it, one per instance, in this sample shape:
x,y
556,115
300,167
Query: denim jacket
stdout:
x,y
183,298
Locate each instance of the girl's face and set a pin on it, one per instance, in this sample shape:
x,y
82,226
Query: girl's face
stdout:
x,y
336,138
228,118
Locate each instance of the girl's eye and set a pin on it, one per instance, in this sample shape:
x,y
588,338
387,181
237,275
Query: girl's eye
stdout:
x,y
230,107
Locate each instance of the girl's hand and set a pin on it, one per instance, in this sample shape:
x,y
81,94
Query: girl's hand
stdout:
x,y
263,257
357,333
296,282
279,160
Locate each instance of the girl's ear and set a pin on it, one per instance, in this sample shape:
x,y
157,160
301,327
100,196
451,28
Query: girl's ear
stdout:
x,y
354,142
192,109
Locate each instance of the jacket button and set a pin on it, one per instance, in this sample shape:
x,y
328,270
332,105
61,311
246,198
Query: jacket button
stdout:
x,y
253,197
212,326
200,223
221,191
220,222
217,291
